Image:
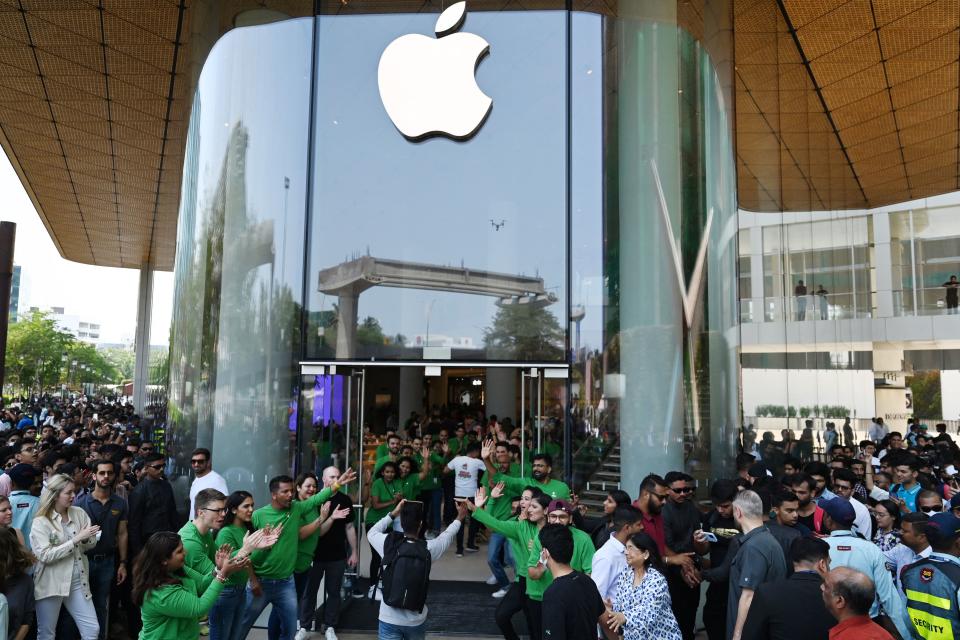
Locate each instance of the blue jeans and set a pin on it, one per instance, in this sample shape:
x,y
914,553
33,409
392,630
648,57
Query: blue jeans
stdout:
x,y
102,572
498,542
226,616
283,596
389,631
436,505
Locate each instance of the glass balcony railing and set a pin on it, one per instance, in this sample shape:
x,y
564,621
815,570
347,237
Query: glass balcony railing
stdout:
x,y
930,301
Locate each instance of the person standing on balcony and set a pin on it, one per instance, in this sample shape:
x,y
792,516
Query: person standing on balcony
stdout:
x,y
953,289
822,295
800,291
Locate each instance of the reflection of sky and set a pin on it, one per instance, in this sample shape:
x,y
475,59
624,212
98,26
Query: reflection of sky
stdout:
x,y
231,96
432,202
586,96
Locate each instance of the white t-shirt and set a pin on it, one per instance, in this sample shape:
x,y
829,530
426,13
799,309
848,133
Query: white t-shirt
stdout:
x,y
467,471
212,480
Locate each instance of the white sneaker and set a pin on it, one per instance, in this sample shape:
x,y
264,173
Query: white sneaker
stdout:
x,y
492,580
302,634
331,634
502,592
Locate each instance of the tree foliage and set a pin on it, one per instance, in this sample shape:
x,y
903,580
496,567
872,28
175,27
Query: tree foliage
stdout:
x,y
524,332
41,356
927,403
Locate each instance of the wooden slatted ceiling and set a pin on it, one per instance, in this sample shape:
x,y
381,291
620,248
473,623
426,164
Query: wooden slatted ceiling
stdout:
x,y
840,104
871,86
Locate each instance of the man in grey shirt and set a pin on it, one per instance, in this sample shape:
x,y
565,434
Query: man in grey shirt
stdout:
x,y
413,623
759,559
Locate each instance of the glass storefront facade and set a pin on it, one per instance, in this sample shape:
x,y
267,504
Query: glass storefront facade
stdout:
x,y
589,226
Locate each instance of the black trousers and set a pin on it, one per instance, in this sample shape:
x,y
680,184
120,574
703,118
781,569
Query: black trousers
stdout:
x,y
333,571
534,611
684,602
511,605
715,611
374,558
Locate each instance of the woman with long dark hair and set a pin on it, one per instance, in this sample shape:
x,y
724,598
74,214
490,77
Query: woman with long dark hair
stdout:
x,y
227,612
600,529
15,584
642,603
887,515
173,597
385,494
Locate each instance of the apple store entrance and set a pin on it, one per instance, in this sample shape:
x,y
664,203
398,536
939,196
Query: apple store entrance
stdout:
x,y
346,410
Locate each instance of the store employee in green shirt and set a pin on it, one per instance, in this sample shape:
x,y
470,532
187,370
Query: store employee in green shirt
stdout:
x,y
542,467
275,566
173,597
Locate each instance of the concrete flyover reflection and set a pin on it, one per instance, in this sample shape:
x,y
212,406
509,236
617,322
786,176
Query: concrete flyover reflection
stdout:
x,y
349,279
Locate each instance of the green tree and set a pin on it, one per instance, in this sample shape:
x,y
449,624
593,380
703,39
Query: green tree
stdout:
x,y
369,332
524,332
35,349
123,360
925,386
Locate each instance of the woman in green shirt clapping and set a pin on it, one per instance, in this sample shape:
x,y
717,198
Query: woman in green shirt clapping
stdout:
x,y
173,597
226,617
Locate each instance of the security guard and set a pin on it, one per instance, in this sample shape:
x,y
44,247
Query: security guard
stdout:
x,y
932,584
847,549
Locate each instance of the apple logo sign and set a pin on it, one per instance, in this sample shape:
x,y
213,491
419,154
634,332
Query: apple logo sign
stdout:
x,y
428,85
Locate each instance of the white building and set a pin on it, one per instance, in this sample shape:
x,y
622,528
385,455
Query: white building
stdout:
x,y
85,330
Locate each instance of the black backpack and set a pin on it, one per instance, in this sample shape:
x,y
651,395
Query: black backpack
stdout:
x,y
405,571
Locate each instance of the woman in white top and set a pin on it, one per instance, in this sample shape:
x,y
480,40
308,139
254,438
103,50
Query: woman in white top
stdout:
x,y
61,535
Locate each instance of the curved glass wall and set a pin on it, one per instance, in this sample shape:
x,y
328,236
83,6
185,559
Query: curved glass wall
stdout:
x,y
235,335
590,222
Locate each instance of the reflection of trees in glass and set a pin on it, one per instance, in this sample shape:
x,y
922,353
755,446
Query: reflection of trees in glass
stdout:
x,y
524,332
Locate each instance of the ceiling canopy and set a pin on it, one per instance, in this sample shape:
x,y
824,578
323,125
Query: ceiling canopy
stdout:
x,y
840,104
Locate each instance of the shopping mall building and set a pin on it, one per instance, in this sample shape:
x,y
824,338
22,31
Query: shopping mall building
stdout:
x,y
578,216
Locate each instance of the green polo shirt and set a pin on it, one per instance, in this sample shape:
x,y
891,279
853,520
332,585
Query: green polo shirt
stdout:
x,y
582,561
173,611
384,493
437,463
200,548
556,489
233,535
410,486
520,533
278,562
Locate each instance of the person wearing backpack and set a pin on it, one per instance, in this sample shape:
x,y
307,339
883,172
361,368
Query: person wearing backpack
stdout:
x,y
405,568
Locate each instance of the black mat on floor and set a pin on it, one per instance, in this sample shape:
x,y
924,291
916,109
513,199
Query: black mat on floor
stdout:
x,y
454,608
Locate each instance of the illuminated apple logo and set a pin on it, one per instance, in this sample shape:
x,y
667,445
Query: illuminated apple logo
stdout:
x,y
428,85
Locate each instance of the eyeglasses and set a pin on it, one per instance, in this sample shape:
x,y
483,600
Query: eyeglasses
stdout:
x,y
146,448
683,490
198,461
938,508
155,466
222,512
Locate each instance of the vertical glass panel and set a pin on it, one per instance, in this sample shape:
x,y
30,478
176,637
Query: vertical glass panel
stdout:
x,y
440,249
239,272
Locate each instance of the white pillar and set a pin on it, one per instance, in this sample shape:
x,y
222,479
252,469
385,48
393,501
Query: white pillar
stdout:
x,y
883,265
141,344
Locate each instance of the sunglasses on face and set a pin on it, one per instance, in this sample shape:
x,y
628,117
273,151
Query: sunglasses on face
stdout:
x,y
155,466
198,461
683,490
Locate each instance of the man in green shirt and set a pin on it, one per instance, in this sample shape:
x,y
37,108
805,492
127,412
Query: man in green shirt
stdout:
x,y
390,452
197,536
538,574
542,467
275,566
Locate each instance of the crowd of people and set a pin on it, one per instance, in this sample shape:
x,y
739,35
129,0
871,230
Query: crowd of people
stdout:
x,y
860,541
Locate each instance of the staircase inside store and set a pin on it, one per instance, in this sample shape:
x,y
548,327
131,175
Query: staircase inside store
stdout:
x,y
605,478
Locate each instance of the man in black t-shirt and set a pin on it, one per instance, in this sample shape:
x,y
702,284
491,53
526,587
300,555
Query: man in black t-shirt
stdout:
x,y
572,606
336,549
721,524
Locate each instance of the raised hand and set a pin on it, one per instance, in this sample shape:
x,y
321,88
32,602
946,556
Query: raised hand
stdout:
x,y
487,450
396,509
479,499
497,491
222,556
347,477
340,514
325,511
